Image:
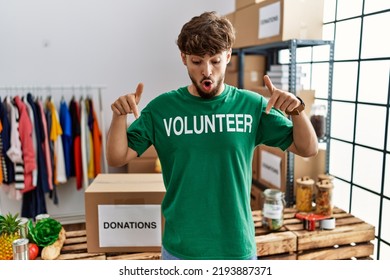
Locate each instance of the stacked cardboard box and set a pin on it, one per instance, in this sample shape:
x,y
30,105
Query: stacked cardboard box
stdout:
x,y
279,74
253,72
260,22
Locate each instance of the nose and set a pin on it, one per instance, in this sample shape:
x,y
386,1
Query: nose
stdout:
x,y
207,70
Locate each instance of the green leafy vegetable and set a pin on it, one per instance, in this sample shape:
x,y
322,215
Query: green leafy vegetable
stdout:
x,y
45,232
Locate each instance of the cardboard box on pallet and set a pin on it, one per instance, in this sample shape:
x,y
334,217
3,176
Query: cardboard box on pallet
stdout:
x,y
123,213
278,20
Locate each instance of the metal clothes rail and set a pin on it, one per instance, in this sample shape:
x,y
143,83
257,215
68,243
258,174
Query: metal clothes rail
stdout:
x,y
88,90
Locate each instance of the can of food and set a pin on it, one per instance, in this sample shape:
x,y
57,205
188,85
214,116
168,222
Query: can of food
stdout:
x,y
23,230
41,217
20,249
304,194
324,198
273,209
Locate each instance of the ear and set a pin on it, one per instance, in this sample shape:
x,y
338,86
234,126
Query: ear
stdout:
x,y
228,55
183,58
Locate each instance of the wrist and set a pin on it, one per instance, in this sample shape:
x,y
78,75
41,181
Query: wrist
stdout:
x,y
298,109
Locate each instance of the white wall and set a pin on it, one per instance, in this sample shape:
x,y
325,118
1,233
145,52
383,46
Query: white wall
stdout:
x,y
116,43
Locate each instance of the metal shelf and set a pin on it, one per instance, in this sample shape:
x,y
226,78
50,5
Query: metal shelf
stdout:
x,y
271,51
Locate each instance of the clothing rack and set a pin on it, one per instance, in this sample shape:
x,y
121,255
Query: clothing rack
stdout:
x,y
88,90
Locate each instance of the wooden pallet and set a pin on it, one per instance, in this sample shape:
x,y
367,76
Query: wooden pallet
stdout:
x,y
75,248
351,239
281,244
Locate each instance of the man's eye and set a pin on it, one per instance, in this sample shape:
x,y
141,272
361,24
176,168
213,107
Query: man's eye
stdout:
x,y
196,62
216,62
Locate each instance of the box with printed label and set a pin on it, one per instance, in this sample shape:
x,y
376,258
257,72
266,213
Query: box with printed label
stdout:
x,y
123,213
278,20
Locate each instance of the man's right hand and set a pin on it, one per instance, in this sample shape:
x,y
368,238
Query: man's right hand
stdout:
x,y
127,104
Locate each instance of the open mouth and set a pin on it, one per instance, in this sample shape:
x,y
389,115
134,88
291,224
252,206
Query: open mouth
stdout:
x,y
207,85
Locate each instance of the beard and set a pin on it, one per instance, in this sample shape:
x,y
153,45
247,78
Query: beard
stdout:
x,y
207,95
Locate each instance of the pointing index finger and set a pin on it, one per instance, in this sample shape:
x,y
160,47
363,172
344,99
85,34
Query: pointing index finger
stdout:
x,y
139,90
137,97
271,102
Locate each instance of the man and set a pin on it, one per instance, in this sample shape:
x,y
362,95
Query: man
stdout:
x,y
205,135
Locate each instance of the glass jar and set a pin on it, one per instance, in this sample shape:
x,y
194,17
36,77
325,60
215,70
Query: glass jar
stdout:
x,y
273,209
323,177
324,198
318,120
304,194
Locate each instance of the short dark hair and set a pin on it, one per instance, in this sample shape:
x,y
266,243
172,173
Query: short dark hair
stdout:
x,y
206,34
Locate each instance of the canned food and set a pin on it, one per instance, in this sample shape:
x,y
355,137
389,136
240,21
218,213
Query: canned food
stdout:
x,y
20,249
41,217
23,230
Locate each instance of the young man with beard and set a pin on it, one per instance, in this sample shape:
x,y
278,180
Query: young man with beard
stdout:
x,y
205,135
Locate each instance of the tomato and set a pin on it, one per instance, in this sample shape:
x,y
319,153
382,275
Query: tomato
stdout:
x,y
33,250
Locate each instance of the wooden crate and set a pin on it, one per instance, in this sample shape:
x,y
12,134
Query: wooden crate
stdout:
x,y
281,244
351,239
75,248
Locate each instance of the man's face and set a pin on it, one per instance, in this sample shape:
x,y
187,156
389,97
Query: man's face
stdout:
x,y
207,73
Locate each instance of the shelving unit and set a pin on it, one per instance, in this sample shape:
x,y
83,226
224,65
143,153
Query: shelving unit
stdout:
x,y
271,51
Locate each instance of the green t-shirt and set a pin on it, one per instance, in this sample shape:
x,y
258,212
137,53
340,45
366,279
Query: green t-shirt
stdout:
x,y
206,148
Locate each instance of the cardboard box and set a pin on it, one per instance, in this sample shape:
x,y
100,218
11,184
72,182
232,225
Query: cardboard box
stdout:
x,y
251,63
123,213
146,163
245,3
278,20
254,71
272,167
310,167
257,198
231,17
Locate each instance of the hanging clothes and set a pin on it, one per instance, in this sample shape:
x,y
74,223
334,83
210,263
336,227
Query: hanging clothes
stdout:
x,y
76,161
97,140
66,125
42,176
45,147
90,156
7,164
25,134
1,151
84,136
34,140
15,150
55,133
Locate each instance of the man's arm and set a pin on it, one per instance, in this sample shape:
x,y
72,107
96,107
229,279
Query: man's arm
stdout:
x,y
118,153
305,139
305,142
